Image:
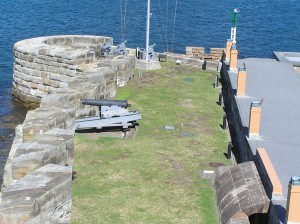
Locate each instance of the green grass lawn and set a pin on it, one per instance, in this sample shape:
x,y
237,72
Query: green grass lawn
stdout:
x,y
154,178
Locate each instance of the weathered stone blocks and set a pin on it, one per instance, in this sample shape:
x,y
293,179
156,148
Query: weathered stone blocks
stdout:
x,y
54,73
124,66
239,193
7,174
45,118
38,197
51,62
55,146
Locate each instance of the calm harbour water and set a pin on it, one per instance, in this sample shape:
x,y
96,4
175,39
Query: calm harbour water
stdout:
x,y
263,26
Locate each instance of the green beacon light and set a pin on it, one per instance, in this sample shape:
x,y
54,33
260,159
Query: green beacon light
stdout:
x,y
234,24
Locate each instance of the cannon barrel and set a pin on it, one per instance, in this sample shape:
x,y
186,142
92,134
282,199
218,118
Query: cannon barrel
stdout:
x,y
124,42
92,102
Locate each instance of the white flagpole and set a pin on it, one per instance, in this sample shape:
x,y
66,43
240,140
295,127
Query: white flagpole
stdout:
x,y
148,31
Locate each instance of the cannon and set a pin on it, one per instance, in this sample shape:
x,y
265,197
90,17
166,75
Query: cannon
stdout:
x,y
108,49
120,49
152,55
141,53
112,113
105,50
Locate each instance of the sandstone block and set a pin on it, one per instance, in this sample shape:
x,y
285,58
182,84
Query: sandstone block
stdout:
x,y
121,66
59,98
210,65
69,40
81,39
60,78
22,88
17,67
7,173
36,73
122,78
58,41
43,51
109,65
67,136
40,67
55,146
45,89
17,54
63,85
71,73
49,82
31,101
26,70
62,71
111,90
22,63
38,196
34,79
36,92
43,119
59,60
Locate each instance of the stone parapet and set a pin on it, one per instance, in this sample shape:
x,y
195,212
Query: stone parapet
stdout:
x,y
7,174
45,64
53,74
46,118
43,196
205,64
53,147
239,193
215,54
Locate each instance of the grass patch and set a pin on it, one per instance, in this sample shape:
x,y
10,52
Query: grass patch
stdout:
x,y
154,178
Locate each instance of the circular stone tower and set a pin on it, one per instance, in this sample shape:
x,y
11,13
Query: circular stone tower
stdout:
x,y
45,64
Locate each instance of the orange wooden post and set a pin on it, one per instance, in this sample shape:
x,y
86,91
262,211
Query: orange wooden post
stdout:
x,y
293,201
241,82
254,118
233,58
228,48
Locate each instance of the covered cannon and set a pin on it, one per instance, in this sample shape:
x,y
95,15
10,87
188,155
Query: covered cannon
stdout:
x,y
112,113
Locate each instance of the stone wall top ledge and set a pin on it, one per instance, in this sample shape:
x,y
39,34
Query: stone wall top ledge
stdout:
x,y
36,193
33,45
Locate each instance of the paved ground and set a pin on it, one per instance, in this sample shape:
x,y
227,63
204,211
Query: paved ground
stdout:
x,y
277,83
290,57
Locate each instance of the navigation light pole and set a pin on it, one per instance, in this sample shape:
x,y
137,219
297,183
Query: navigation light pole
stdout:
x,y
234,23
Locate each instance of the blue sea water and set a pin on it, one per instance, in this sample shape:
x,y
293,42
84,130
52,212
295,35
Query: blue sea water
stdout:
x,y
263,26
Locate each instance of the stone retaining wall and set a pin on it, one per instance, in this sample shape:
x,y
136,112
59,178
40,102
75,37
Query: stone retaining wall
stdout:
x,y
54,73
193,61
215,54
45,64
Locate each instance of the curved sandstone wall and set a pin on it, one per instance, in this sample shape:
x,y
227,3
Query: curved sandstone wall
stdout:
x,y
54,73
45,64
